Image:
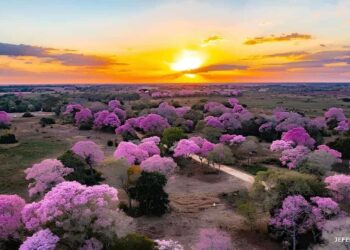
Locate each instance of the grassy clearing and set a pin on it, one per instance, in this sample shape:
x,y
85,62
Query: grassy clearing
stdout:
x,y
14,160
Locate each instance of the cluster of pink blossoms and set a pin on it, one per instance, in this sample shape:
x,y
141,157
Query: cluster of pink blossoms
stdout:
x,y
5,119
113,104
73,108
91,209
135,154
232,139
106,119
10,216
89,152
334,114
292,157
153,123
83,116
42,240
300,216
45,175
280,145
339,185
156,163
195,145
299,137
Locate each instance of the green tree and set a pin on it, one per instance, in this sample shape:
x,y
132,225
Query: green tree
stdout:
x,y
149,192
172,135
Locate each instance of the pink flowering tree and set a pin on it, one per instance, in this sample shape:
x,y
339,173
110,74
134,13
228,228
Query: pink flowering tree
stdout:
x,y
121,114
298,217
131,152
156,163
215,108
212,238
113,104
334,116
5,120
232,139
185,148
214,122
298,136
291,158
280,145
343,126
92,210
83,118
106,121
153,124
45,175
43,239
10,216
339,185
150,147
89,151
126,131
230,121
154,139
205,147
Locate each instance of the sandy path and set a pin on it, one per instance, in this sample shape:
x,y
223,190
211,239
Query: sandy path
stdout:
x,y
231,171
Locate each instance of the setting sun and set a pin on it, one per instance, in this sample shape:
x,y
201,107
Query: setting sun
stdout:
x,y
188,60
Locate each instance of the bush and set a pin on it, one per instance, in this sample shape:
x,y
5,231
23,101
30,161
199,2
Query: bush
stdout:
x,y
193,115
253,169
82,173
172,135
271,187
149,192
342,145
27,114
134,241
8,139
212,134
47,121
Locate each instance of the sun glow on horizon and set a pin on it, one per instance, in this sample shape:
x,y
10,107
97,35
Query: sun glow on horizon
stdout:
x,y
188,60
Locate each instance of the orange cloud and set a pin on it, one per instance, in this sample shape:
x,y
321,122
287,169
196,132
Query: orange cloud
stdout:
x,y
281,38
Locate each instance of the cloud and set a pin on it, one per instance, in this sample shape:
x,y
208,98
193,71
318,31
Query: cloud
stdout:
x,y
295,54
321,59
216,67
281,38
65,57
211,40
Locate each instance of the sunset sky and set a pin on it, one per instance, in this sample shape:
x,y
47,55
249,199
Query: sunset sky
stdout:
x,y
162,41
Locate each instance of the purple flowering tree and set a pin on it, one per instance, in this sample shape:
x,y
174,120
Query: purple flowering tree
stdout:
x,y
83,118
150,147
299,137
92,210
45,175
113,104
156,163
43,239
232,139
131,152
185,148
339,185
5,120
153,124
10,216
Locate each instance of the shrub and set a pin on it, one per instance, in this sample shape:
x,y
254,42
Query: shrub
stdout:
x,y
221,154
172,135
27,114
8,138
253,168
47,121
212,134
271,187
134,241
149,192
342,145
